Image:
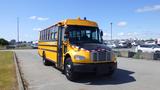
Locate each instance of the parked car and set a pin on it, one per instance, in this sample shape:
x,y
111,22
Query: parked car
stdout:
x,y
147,48
11,46
124,45
111,45
150,43
134,44
34,46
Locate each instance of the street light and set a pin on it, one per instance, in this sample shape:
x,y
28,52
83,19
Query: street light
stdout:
x,y
18,29
111,30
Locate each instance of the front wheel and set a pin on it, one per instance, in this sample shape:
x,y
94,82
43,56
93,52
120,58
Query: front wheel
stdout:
x,y
69,73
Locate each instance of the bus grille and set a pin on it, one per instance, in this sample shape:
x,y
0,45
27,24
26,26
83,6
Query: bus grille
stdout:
x,y
101,56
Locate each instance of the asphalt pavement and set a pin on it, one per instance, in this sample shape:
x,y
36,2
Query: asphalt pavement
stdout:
x,y
131,74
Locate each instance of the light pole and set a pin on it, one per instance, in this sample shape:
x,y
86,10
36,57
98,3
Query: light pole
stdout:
x,y
18,29
111,30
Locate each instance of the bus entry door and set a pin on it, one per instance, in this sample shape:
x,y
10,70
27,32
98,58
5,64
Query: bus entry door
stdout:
x,y
59,48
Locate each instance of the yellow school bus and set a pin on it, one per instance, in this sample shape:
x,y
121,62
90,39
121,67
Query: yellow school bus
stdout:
x,y
76,45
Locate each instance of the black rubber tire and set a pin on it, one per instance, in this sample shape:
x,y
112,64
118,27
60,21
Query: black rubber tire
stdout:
x,y
156,54
68,70
45,61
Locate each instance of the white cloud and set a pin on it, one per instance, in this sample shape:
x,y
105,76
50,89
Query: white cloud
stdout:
x,y
120,34
38,18
37,29
126,35
42,19
32,17
149,8
122,24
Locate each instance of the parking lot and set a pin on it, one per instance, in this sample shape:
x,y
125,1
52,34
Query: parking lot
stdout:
x,y
131,74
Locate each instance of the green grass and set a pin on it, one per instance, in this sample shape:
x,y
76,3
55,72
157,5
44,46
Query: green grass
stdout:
x,y
8,79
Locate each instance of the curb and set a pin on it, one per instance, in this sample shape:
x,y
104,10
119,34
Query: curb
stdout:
x,y
21,85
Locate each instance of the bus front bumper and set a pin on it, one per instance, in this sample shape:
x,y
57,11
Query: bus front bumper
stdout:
x,y
96,67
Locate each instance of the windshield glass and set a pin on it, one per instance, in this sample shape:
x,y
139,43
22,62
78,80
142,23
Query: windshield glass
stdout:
x,y
79,34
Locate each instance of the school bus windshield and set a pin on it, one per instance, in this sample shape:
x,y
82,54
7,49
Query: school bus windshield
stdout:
x,y
83,34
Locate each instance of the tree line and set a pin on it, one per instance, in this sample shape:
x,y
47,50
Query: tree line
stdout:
x,y
3,42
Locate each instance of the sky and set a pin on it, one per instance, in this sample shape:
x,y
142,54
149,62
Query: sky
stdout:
x,y
138,19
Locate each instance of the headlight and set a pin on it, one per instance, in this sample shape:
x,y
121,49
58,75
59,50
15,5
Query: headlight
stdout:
x,y
78,57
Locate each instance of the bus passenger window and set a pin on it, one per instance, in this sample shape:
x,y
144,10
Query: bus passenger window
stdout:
x,y
52,36
55,36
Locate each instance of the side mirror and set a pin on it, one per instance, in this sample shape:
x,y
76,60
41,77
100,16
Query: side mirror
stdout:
x,y
101,33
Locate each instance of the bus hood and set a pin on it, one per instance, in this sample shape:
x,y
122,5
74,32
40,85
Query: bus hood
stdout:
x,y
94,46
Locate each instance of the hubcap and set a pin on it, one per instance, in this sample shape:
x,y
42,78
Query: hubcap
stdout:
x,y
68,69
44,60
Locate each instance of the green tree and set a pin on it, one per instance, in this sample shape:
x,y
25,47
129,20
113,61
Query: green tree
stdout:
x,y
3,42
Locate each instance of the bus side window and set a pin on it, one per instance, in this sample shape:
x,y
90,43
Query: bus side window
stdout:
x,y
46,31
40,35
55,35
48,35
43,35
52,36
